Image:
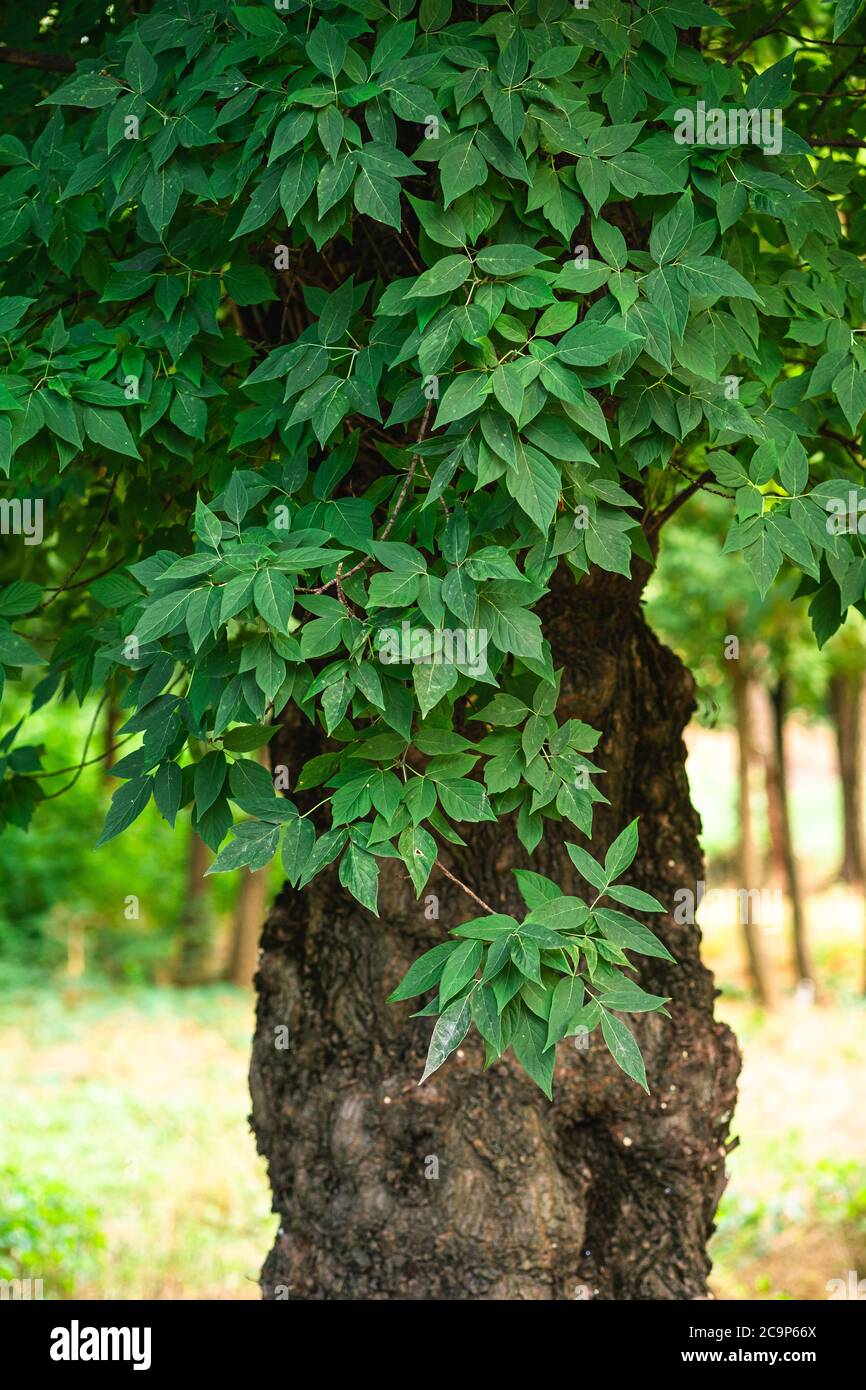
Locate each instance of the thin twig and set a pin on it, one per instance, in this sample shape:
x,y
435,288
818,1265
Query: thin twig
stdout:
x,y
840,144
704,488
454,879
658,520
97,528
828,95
362,564
25,58
345,602
83,764
762,32
410,473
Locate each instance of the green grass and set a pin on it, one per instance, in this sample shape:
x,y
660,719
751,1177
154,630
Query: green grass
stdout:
x,y
126,1111
129,1170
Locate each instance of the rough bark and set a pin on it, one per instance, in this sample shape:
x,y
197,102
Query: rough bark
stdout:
x,y
845,703
799,936
748,859
607,1193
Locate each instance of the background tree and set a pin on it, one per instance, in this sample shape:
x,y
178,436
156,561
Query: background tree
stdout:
x,y
315,287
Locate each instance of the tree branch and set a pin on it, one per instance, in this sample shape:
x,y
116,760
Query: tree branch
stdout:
x,y
24,58
762,32
841,144
454,879
681,498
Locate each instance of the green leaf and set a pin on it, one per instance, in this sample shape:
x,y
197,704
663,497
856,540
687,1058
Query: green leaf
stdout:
x,y
378,195
424,973
254,846
297,183
109,428
459,969
622,851
535,484
208,526
529,1043
485,1016
710,277
359,872
163,615
327,48
167,788
634,897
591,344
671,233
450,1029
526,956
12,310
15,651
568,997
140,70
210,775
298,840
417,849
161,195
461,168
628,997
274,598
507,259
563,913
846,12
446,275
623,1048
630,935
126,806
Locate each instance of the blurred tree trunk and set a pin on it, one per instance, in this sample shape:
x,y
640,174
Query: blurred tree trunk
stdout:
x,y
846,705
111,721
775,813
800,940
748,858
250,910
194,927
473,1186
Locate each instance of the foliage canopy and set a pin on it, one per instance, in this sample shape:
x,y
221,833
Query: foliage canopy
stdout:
x,y
327,328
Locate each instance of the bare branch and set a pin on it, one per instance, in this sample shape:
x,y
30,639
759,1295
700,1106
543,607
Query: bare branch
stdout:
x,y
25,58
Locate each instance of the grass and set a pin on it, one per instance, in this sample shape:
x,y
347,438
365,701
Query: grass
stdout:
x,y
136,1104
127,1134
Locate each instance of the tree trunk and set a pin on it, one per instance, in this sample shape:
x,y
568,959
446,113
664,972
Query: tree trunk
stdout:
x,y
776,853
845,703
249,912
193,929
473,1186
799,937
747,857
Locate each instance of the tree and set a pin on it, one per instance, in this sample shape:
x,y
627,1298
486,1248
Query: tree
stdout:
x,y
706,604
423,321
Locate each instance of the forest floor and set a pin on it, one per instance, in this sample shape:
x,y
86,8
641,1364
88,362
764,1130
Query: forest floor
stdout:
x,y
129,1170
